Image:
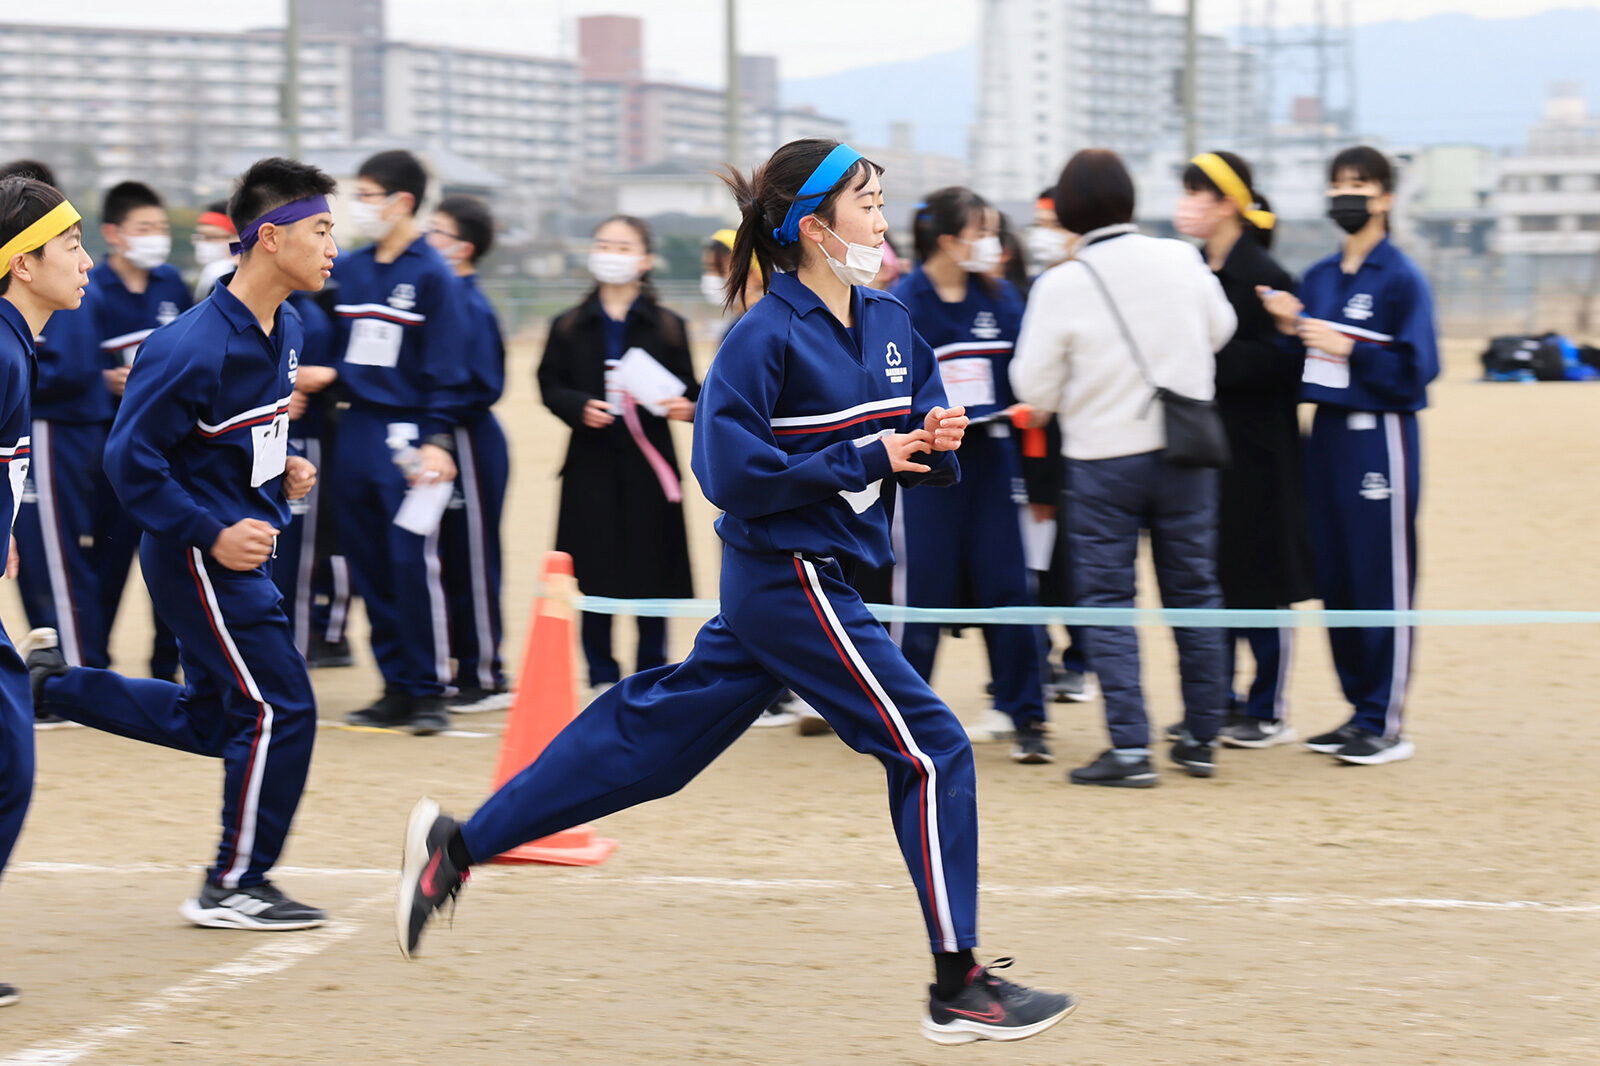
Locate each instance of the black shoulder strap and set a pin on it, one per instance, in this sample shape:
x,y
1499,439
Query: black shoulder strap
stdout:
x,y
1127,334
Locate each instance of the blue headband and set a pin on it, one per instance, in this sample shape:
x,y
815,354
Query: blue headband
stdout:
x,y
293,211
837,163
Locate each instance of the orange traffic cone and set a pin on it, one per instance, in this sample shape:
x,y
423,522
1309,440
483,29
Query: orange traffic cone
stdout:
x,y
544,702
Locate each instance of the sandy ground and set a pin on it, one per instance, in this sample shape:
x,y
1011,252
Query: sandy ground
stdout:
x,y
1290,910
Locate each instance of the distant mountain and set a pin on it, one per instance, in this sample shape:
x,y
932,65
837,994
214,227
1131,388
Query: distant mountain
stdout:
x,y
1420,81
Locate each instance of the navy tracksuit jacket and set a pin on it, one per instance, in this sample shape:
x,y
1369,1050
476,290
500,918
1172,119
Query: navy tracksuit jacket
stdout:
x,y
16,703
961,546
785,443
398,332
199,443
1363,471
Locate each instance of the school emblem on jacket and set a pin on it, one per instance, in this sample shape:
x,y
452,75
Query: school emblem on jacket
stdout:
x,y
1359,307
166,311
404,296
985,327
896,371
1374,486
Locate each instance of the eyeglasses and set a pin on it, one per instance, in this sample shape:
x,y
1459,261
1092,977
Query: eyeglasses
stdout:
x,y
445,234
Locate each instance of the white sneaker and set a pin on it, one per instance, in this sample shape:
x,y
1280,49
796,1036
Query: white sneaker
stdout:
x,y
775,716
992,726
480,701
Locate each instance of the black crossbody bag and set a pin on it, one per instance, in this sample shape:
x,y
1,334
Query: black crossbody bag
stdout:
x,y
1195,436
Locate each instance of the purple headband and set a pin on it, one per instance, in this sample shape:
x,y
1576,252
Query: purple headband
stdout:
x,y
279,216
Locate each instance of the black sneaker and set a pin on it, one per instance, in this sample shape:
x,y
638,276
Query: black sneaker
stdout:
x,y
427,876
8,994
1370,750
470,699
1070,686
1198,757
429,715
1256,733
388,711
328,656
1113,770
989,1008
1328,743
1029,746
260,906
40,651
1173,731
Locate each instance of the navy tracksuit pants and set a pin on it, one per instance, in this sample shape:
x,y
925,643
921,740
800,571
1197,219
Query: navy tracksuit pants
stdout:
x,y
1363,472
469,543
961,545
316,593
397,573
246,699
1110,502
55,530
116,541
786,622
1272,650
16,747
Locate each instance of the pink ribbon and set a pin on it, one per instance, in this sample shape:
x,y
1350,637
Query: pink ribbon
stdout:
x,y
663,469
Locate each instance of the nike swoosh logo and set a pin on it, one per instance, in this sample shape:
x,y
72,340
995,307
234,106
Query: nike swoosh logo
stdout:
x,y
995,1014
428,874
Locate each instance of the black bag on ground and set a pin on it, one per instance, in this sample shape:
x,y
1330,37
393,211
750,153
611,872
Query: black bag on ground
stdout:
x,y
1510,354
1195,436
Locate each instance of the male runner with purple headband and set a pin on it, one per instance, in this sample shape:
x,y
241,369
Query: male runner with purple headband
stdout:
x,y
198,457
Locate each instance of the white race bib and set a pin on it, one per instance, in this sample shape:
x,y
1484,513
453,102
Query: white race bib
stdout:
x,y
860,501
271,446
17,470
374,342
968,381
1329,371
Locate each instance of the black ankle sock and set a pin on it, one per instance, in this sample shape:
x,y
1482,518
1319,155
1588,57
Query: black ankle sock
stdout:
x,y
455,849
950,969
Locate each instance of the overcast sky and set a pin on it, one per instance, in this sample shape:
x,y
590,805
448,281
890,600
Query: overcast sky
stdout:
x,y
683,38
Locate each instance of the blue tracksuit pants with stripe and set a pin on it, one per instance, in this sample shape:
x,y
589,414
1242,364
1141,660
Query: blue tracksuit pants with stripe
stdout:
x,y
786,622
246,699
16,747
469,545
1363,472
55,530
306,569
1272,650
396,572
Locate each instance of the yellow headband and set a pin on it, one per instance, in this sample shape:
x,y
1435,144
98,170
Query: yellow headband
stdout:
x,y
51,225
726,237
1223,177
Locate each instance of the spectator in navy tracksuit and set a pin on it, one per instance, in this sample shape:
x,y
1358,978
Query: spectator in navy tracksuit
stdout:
x,y
1074,357
821,392
135,290
43,269
462,231
973,557
1263,547
1364,323
199,456
400,320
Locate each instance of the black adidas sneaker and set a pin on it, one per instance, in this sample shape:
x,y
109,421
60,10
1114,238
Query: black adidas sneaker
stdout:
x,y
262,906
990,1008
427,876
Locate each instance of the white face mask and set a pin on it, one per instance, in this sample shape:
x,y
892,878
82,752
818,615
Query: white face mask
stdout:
x,y
148,250
713,288
614,268
983,255
861,261
1046,246
208,252
366,218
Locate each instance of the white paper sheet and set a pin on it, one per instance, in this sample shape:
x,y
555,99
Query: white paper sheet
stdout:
x,y
639,375
423,507
1038,540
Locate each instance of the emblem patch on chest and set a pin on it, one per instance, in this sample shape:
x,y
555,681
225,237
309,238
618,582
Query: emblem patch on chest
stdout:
x,y
985,326
404,296
896,370
1359,307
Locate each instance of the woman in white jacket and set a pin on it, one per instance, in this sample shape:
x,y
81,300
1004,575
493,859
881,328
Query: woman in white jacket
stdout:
x,y
1073,358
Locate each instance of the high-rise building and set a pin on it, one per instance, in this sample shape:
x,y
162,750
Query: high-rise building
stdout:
x,y
1547,201
358,24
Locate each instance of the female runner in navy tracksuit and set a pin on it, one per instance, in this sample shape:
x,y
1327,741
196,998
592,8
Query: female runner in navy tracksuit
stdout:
x,y
969,536
820,392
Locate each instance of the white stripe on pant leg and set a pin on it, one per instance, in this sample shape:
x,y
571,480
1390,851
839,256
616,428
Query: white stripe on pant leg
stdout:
x,y
433,573
340,607
477,563
245,843
42,465
1401,568
898,572
1280,710
947,931
307,563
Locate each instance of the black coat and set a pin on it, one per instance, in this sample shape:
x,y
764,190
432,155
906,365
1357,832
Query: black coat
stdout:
x,y
625,537
1263,547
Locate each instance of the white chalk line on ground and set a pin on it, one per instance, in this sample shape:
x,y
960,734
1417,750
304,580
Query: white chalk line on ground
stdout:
x,y
1088,893
275,956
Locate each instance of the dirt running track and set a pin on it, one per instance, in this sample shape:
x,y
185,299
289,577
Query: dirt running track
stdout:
x,y
1444,910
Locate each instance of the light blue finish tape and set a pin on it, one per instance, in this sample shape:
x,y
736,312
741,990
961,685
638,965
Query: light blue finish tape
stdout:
x,y
1130,616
